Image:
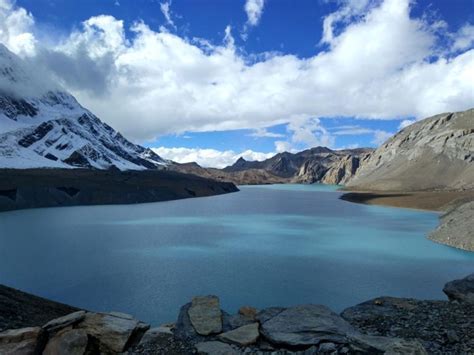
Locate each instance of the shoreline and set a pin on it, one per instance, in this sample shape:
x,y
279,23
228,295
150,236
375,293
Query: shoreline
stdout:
x,y
434,201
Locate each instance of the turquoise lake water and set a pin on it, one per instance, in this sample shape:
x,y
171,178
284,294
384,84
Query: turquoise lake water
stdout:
x,y
263,246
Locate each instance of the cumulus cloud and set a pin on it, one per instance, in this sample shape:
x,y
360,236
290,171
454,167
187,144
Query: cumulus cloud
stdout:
x,y
464,38
382,63
209,157
16,26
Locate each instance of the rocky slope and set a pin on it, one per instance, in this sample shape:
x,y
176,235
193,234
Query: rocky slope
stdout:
x,y
456,227
436,153
43,126
385,325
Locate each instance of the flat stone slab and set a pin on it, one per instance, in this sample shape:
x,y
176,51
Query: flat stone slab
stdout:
x,y
205,315
461,290
215,348
306,325
63,322
243,336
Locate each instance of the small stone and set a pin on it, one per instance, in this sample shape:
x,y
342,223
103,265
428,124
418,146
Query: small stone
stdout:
x,y
452,336
215,348
205,315
243,336
327,347
248,312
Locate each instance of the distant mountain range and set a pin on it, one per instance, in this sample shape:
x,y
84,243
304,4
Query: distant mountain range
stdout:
x,y
436,153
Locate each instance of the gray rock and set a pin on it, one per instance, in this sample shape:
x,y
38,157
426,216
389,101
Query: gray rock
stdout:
x,y
184,330
114,331
243,336
268,313
24,341
205,315
71,342
326,348
231,322
461,290
63,322
215,348
390,346
153,333
306,325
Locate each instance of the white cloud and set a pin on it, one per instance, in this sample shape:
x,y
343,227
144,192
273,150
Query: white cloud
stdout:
x,y
406,123
264,133
348,10
165,8
381,136
254,10
209,157
464,38
16,26
352,131
380,65
283,146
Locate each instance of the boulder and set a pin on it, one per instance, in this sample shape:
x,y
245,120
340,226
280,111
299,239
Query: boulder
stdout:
x,y
114,331
461,290
71,342
205,315
306,325
268,313
243,336
24,341
63,322
215,348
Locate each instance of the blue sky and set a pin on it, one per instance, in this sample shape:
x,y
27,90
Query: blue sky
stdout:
x,y
220,78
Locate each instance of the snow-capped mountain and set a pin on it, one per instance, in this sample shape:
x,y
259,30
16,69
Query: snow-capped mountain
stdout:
x,y
43,126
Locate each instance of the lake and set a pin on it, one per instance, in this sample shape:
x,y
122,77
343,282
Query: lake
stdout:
x,y
274,245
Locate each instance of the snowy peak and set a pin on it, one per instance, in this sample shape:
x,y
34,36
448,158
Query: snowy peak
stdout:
x,y
51,129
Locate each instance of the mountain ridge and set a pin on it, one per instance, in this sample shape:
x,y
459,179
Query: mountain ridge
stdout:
x,y
48,128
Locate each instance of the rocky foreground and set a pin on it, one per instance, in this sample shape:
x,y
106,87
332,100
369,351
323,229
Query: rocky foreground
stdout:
x,y
384,325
